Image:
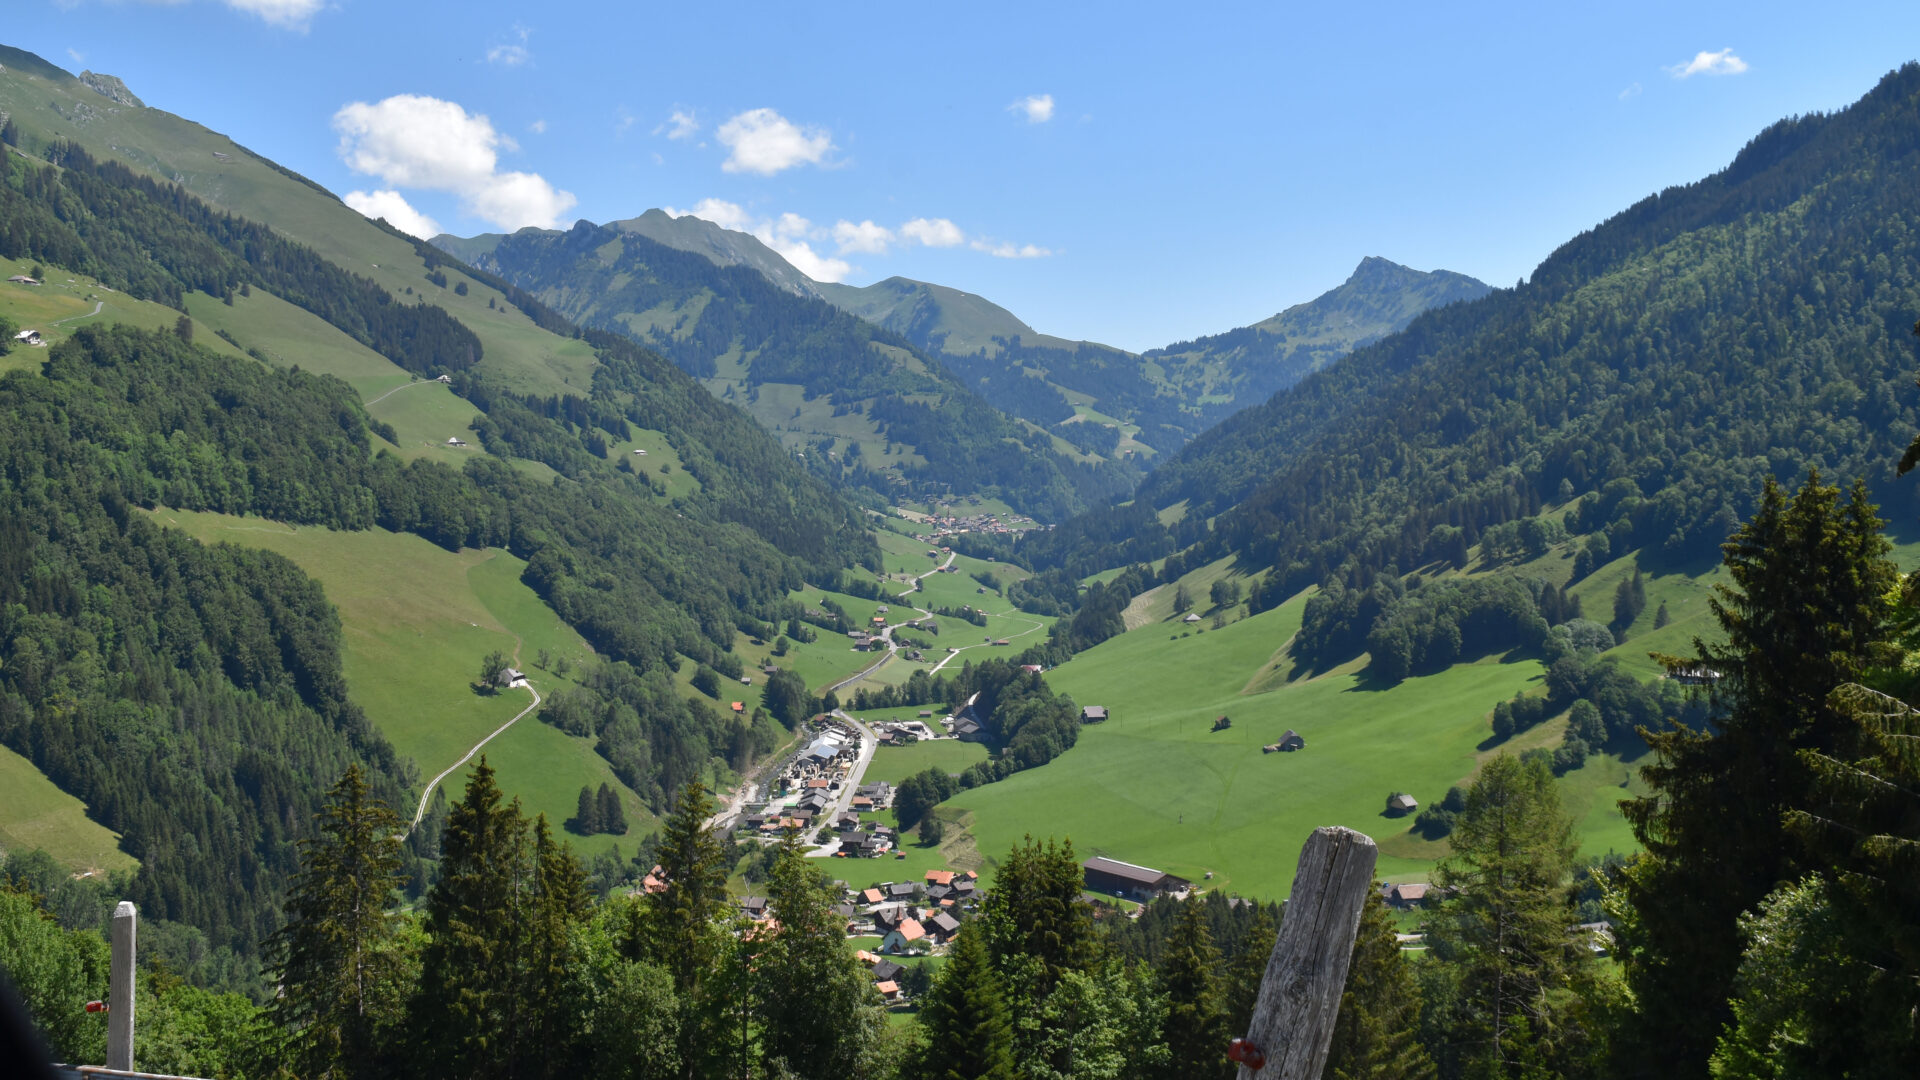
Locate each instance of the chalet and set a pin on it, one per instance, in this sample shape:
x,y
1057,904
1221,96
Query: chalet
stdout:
x,y
1093,714
879,791
902,890
1192,617
889,991
886,970
737,706
755,907
1405,895
509,677
1126,879
456,441
940,893
22,279
909,934
445,380
862,804
967,729
1400,804
873,896
940,877
942,927
28,337
1289,742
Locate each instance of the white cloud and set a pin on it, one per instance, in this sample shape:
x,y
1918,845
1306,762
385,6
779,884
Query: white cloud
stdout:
x,y
396,209
1038,108
762,141
1630,92
538,127
788,235
513,54
1709,63
413,141
77,56
933,232
1002,250
292,14
680,124
865,238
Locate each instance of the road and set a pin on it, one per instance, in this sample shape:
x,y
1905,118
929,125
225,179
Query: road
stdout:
x,y
397,389
97,305
868,744
428,794
949,658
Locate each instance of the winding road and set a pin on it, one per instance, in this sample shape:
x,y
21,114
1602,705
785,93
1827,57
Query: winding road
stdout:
x,y
435,782
397,389
97,305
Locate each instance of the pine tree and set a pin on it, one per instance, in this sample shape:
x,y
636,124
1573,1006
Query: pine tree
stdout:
x,y
1196,1030
1805,612
336,961
1375,1036
1503,926
969,1031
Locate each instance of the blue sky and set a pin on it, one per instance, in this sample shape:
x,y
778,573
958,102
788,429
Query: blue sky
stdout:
x,y
1135,174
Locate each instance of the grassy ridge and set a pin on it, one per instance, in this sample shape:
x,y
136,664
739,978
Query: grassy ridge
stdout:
x,y
37,814
416,620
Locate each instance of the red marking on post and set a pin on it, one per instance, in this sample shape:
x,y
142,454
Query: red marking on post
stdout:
x,y
96,1006
1242,1052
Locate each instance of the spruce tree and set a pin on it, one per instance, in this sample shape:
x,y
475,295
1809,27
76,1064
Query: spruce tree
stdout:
x,y
1248,968
818,1013
1503,926
681,930
612,817
468,1011
1196,1029
336,961
586,817
1035,911
1375,1035
1805,612
969,1031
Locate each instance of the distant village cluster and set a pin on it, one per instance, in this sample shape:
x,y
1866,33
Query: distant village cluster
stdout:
x,y
947,522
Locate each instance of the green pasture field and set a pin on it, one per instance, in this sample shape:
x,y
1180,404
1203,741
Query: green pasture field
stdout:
x,y
66,302
37,814
1156,604
1130,786
895,763
416,621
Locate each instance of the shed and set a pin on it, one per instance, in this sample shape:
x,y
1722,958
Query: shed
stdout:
x,y
737,706
1400,803
1292,740
1093,714
22,279
508,676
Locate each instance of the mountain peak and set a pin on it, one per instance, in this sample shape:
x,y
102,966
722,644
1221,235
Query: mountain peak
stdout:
x,y
111,88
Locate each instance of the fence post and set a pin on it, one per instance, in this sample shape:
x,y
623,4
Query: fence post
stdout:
x,y
1300,994
120,989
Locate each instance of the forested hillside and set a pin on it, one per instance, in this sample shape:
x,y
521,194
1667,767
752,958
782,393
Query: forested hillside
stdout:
x,y
1654,369
849,388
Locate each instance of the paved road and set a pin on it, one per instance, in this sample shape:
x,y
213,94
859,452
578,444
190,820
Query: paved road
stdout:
x,y
97,305
431,784
397,389
949,658
868,744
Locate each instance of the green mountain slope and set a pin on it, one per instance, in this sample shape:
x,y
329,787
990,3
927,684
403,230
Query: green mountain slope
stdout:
x,y
859,403
1655,368
332,359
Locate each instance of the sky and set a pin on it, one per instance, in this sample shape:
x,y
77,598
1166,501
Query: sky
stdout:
x,y
1132,174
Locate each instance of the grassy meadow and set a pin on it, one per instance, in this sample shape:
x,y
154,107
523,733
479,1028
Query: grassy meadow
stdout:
x,y
37,814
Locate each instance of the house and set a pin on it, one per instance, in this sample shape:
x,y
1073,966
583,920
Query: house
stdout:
x,y
1222,724
755,907
509,677
1093,714
1290,741
940,894
902,890
862,804
22,279
940,877
943,926
737,706
445,380
818,785
886,970
909,934
1405,895
1400,804
456,441
889,991
28,337
873,896
1126,879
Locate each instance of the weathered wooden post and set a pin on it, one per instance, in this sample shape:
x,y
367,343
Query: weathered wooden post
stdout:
x,y
1300,994
120,989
